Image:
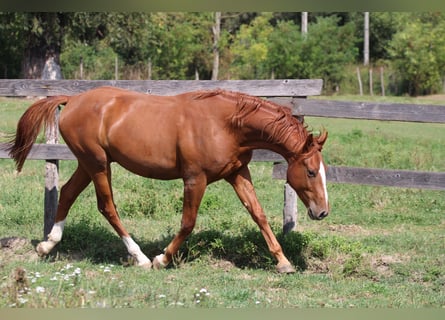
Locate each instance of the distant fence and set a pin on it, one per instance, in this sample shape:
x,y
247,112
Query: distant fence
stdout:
x,y
291,93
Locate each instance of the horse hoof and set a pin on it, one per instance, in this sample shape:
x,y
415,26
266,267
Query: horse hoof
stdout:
x,y
287,268
157,262
41,249
147,265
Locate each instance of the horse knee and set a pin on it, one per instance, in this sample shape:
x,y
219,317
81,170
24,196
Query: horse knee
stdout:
x,y
187,225
187,228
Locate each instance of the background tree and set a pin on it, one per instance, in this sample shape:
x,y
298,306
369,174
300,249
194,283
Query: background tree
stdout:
x,y
12,46
327,50
250,49
420,59
251,45
38,35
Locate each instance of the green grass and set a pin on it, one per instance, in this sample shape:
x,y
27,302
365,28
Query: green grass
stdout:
x,y
380,247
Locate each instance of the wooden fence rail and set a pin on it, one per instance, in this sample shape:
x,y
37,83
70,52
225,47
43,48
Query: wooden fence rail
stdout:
x,y
262,88
337,174
291,93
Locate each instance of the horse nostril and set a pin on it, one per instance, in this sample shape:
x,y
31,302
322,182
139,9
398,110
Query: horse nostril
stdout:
x,y
323,214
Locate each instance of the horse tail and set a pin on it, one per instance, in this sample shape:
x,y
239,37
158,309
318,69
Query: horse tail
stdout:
x,y
29,126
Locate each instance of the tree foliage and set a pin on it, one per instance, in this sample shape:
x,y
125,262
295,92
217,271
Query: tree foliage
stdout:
x,y
418,53
252,45
261,49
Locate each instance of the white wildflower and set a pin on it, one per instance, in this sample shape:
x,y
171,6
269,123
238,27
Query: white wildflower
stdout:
x,y
22,300
40,289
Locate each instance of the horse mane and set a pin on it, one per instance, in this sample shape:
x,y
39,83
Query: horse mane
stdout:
x,y
282,123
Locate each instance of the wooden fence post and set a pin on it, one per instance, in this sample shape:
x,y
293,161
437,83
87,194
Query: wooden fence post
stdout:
x,y
371,83
359,77
51,181
290,209
382,81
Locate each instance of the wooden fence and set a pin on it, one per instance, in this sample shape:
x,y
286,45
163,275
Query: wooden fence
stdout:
x,y
291,93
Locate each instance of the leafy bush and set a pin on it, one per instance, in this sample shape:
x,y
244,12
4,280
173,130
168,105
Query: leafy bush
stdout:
x,y
420,59
261,50
98,61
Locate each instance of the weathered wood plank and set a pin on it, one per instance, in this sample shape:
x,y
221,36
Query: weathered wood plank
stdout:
x,y
267,156
396,178
44,152
378,177
51,181
263,88
62,152
290,209
368,110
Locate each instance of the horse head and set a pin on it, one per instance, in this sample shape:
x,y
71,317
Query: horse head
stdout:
x,y
306,174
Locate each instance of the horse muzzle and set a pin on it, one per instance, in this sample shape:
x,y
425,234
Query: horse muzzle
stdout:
x,y
317,216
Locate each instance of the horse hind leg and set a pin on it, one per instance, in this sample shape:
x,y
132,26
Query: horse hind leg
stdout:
x,y
68,194
106,206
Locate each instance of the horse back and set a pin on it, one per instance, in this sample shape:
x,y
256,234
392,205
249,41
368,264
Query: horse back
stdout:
x,y
153,136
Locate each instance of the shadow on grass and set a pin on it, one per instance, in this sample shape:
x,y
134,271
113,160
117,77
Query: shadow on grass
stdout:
x,y
248,250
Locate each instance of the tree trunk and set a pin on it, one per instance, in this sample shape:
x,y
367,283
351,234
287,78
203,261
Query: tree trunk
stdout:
x,y
366,40
304,23
44,44
216,36
34,61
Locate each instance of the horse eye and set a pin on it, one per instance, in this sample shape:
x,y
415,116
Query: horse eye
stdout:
x,y
311,173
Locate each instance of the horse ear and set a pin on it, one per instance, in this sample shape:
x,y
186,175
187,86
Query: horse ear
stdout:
x,y
310,140
321,139
299,117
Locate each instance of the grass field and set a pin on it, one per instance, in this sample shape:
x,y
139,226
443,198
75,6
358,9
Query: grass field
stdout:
x,y
380,247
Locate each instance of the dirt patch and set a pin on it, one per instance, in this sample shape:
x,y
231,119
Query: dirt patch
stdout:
x,y
437,97
348,229
17,249
222,265
382,264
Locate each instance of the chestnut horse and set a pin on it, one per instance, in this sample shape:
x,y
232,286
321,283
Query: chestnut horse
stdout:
x,y
200,137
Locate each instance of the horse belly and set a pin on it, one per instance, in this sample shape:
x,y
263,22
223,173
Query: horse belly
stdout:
x,y
151,160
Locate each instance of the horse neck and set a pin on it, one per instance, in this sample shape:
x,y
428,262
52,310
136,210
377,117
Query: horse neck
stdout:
x,y
263,131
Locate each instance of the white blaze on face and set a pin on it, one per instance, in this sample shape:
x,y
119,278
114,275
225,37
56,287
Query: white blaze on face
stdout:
x,y
323,179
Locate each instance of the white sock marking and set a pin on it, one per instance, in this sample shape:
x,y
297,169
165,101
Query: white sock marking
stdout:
x,y
57,231
135,251
54,237
323,179
160,258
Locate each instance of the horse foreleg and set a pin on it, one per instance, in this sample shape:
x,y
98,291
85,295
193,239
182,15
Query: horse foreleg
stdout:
x,y
193,193
242,183
68,194
105,203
